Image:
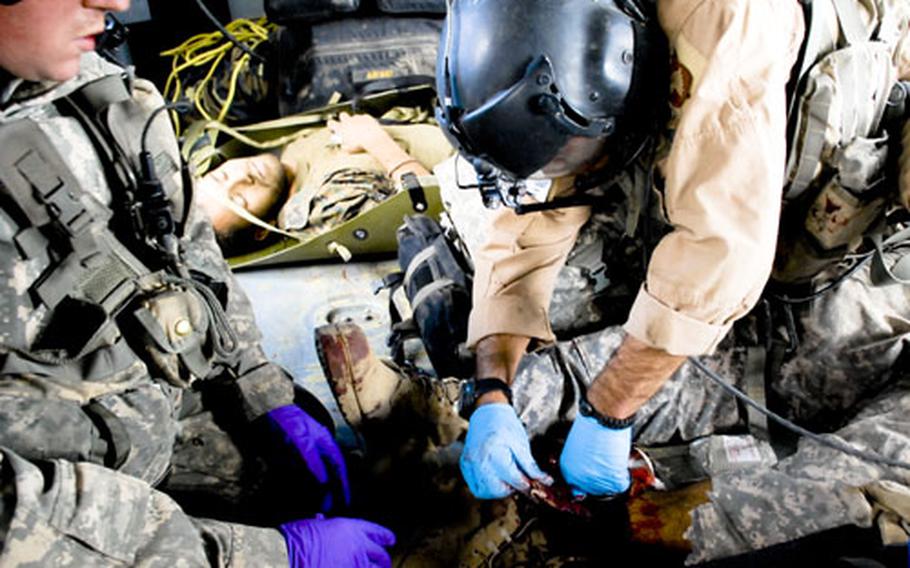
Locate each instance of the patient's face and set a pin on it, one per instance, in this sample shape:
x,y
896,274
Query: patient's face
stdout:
x,y
255,184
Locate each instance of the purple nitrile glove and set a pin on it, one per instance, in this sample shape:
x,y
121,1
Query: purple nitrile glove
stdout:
x,y
314,445
319,542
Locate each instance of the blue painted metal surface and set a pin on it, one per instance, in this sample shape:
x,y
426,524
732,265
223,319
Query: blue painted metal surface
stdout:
x,y
290,302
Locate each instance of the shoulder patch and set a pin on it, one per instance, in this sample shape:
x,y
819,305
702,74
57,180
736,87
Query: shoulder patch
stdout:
x,y
681,81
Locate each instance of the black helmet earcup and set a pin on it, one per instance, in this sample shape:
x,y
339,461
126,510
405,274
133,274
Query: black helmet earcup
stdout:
x,y
602,58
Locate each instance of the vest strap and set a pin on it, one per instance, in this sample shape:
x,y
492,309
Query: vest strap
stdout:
x,y
851,22
899,272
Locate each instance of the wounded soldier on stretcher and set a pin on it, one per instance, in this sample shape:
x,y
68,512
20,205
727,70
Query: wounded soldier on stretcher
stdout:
x,y
328,177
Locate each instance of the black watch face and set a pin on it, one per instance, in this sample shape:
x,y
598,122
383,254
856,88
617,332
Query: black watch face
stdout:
x,y
468,398
584,407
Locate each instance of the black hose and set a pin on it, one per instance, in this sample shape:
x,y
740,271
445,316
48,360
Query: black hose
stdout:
x,y
831,443
224,31
180,106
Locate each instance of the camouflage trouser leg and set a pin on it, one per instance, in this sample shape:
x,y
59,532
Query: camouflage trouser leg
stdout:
x,y
852,343
549,381
850,339
226,468
212,472
816,489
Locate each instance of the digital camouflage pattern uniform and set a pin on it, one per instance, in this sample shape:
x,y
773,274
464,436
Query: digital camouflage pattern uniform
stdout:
x,y
848,375
332,186
714,211
96,427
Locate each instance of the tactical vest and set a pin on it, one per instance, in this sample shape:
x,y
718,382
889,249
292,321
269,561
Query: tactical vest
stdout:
x,y
846,99
835,191
89,293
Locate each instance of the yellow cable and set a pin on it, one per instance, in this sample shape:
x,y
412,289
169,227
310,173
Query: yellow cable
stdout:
x,y
232,86
200,88
210,49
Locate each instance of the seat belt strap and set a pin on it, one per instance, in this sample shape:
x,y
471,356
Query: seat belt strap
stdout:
x,y
754,386
851,22
899,272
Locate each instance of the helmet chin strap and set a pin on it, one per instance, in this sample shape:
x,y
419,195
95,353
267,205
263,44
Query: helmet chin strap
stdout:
x,y
604,176
6,78
498,188
633,8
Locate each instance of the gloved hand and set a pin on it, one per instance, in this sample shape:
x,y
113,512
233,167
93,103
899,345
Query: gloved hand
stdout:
x,y
319,542
497,455
313,444
595,459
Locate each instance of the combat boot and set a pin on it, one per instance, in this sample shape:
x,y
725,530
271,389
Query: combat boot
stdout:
x,y
371,391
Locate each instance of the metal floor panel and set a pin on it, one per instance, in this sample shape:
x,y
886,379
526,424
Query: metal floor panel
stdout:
x,y
290,302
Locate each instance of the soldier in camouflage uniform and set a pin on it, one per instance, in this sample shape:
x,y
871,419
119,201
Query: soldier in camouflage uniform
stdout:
x,y
120,326
706,232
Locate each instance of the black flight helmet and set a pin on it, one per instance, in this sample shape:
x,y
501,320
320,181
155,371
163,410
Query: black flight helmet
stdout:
x,y
519,80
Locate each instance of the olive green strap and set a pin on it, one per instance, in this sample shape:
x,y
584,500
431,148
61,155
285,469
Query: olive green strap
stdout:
x,y
899,272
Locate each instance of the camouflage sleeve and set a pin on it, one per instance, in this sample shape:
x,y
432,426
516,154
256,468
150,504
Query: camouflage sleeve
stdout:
x,y
261,385
904,160
67,514
49,428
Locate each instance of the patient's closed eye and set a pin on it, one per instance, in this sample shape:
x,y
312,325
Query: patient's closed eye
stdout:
x,y
239,199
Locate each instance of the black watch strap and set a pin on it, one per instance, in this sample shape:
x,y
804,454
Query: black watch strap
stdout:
x,y
483,386
587,409
473,389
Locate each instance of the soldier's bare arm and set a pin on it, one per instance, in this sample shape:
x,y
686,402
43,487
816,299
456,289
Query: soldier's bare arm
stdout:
x,y
363,133
498,357
632,376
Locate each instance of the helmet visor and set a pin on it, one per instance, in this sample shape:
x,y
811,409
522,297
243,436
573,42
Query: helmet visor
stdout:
x,y
576,156
524,128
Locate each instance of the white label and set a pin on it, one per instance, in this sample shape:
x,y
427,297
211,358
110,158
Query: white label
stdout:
x,y
539,189
740,450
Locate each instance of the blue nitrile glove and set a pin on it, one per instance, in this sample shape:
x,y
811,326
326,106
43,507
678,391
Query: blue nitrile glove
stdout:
x,y
595,459
497,455
320,542
315,447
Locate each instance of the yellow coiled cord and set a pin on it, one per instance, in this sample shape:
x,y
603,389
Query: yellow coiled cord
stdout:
x,y
210,49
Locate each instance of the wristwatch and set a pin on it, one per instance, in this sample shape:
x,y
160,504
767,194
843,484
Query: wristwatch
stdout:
x,y
473,389
585,408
